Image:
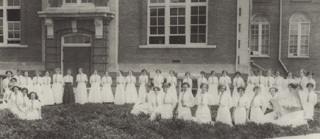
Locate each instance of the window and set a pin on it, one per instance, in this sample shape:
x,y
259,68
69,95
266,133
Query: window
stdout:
x,y
10,30
260,35
78,2
299,35
77,40
177,22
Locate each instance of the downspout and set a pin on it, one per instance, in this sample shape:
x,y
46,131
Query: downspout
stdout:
x,y
117,36
237,40
280,38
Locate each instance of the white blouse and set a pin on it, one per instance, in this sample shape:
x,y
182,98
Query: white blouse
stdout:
x,y
57,78
37,80
121,80
82,78
213,80
95,78
172,80
241,102
131,79
269,81
143,79
279,81
261,80
158,80
25,81
68,79
46,80
188,80
202,80
225,100
226,80
106,80
203,99
238,82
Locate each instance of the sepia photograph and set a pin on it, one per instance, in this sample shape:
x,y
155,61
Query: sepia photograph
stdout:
x,y
159,69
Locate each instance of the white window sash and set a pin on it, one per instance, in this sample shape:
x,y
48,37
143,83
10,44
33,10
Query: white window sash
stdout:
x,y
299,36
260,39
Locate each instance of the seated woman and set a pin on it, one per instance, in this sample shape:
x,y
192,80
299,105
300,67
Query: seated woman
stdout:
x,y
142,105
240,113
186,101
203,113
34,107
156,100
271,116
6,97
225,104
257,106
16,100
169,102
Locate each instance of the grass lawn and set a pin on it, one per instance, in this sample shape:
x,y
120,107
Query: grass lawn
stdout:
x,y
111,121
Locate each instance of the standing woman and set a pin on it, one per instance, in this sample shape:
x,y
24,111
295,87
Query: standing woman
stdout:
x,y
143,79
279,82
186,101
57,86
310,79
302,80
34,107
6,81
310,99
68,93
169,102
251,83
201,80
213,88
203,114
288,80
241,104
158,79
107,94
37,82
257,107
82,94
46,96
131,90
95,90
188,79
19,77
26,81
225,104
120,96
237,82
225,80
172,80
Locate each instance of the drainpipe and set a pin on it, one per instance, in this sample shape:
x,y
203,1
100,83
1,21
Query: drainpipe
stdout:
x,y
237,40
280,38
117,36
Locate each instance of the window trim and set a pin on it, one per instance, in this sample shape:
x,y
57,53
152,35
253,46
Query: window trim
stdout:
x,y
79,3
260,36
167,5
299,37
76,44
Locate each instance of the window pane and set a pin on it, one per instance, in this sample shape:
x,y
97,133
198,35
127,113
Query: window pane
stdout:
x,y
14,15
160,30
198,24
156,40
177,40
86,1
305,29
161,21
177,1
1,2
1,39
13,2
156,1
153,21
198,1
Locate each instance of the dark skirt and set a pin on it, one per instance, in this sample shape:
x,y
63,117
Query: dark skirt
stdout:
x,y
68,95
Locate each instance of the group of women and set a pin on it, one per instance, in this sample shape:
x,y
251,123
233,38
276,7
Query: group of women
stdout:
x,y
159,98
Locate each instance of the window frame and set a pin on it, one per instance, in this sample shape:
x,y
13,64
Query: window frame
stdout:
x,y
5,26
79,3
290,55
260,29
64,44
167,6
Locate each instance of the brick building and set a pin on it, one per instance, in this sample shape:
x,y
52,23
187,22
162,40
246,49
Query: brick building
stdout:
x,y
184,35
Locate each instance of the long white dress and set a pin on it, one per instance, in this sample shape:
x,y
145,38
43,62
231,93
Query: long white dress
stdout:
x,y
95,90
173,90
82,93
186,101
225,103
47,96
18,104
120,96
34,112
158,80
188,80
200,81
237,82
279,82
251,83
169,103
156,101
309,100
37,85
26,82
213,90
131,90
107,94
5,83
287,82
303,81
19,79
57,88
225,80
6,99
258,106
143,79
203,113
240,112
142,105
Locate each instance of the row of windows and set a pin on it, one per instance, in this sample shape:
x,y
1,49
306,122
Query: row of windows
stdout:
x,y
298,35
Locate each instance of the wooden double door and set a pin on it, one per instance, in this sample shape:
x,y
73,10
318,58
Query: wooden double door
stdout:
x,y
75,58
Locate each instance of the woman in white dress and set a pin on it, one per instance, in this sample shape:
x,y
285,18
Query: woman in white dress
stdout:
x,y
120,96
270,117
257,106
156,101
225,104
310,79
309,100
186,101
158,79
107,94
26,81
251,83
143,105
19,77
46,97
288,80
82,93
57,86
169,102
201,80
279,82
131,90
172,80
213,88
16,101
188,79
6,97
225,80
237,82
203,113
95,90
34,107
302,80
37,83
6,81
240,113
143,79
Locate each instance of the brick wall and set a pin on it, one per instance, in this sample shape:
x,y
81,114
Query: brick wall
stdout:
x,y
133,32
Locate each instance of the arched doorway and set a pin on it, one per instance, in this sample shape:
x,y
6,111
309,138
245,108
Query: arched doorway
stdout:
x,y
76,53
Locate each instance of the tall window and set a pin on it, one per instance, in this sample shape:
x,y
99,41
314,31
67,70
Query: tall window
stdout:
x,y
260,35
177,22
299,35
10,31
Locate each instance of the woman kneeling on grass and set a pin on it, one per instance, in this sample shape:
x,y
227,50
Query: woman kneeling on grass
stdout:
x,y
186,101
257,106
169,102
240,112
203,114
142,105
156,100
225,103
34,107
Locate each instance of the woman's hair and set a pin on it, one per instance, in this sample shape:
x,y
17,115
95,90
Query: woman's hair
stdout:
x,y
222,86
13,79
204,84
202,72
69,70
37,72
294,86
289,73
310,73
47,71
237,73
187,73
241,88
256,87
15,87
224,71
303,71
185,83
144,70
9,71
275,89
36,95
212,72
158,71
310,84
156,88
121,72
149,85
81,69
25,89
166,85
